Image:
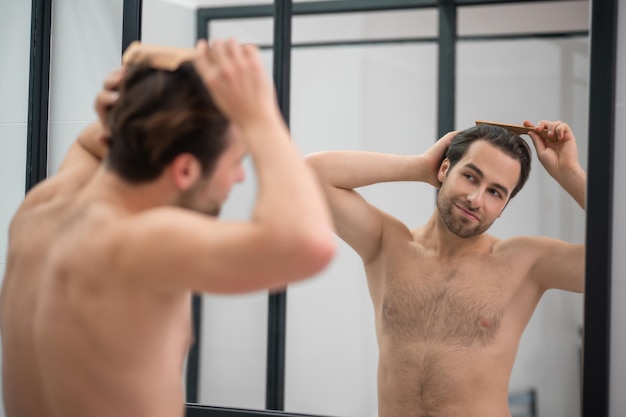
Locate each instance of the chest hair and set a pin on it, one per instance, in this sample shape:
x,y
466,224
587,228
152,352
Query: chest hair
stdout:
x,y
450,305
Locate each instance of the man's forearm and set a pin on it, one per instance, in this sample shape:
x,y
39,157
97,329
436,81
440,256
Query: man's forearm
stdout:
x,y
575,183
354,169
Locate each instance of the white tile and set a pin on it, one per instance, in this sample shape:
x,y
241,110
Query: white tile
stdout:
x,y
15,60
12,176
618,347
61,136
86,46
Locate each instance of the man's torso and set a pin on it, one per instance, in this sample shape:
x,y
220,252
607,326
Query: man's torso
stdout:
x,y
79,337
448,329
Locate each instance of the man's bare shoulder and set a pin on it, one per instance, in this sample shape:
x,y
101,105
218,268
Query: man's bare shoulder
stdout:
x,y
394,227
530,245
55,187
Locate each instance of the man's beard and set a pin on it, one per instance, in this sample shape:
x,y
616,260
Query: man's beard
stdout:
x,y
187,202
456,224
213,212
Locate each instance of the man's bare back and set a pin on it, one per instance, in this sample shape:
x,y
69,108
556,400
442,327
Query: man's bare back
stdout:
x,y
81,338
104,255
450,301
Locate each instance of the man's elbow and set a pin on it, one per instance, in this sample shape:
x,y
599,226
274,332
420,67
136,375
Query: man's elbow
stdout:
x,y
311,253
315,161
322,250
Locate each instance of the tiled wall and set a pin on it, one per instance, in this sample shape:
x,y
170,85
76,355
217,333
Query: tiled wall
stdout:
x,y
14,65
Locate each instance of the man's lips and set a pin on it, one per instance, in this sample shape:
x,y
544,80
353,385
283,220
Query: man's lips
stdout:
x,y
467,212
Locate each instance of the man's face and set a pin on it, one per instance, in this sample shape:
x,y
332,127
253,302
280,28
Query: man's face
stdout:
x,y
476,190
209,193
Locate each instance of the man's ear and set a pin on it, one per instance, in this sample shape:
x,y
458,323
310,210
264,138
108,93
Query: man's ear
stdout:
x,y
185,171
443,170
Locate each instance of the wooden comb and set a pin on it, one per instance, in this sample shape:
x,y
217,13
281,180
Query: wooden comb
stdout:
x,y
517,129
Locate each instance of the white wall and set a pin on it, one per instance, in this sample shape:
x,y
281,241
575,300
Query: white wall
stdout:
x,y
14,67
617,407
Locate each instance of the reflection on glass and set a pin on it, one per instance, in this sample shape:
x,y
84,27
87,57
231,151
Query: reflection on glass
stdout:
x,y
233,330
331,343
375,98
383,98
387,25
258,31
539,17
552,85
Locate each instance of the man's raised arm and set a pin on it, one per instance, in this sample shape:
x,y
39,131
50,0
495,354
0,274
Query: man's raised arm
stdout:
x,y
559,157
358,223
290,235
560,264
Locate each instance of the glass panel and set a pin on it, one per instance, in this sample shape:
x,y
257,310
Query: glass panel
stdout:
x,y
552,85
337,28
383,98
196,4
377,98
365,26
168,22
233,340
552,16
233,349
82,34
259,31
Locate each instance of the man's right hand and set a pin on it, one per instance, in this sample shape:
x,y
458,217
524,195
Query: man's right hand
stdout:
x,y
238,83
435,155
107,97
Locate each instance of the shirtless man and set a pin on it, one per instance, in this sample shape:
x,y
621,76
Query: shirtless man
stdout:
x,y
103,257
451,301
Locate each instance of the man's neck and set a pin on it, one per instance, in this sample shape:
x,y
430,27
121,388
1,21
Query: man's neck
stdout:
x,y
110,188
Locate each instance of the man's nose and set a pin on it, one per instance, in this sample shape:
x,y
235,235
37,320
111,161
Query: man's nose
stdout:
x,y
476,198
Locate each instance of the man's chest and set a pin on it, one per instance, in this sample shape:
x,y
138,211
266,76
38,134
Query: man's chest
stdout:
x,y
459,303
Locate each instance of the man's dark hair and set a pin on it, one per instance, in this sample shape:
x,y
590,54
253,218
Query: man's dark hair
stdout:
x,y
507,141
160,115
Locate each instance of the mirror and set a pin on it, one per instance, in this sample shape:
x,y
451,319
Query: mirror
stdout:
x,y
382,98
368,81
